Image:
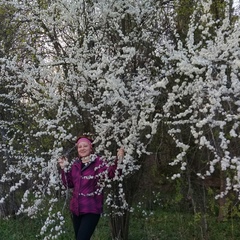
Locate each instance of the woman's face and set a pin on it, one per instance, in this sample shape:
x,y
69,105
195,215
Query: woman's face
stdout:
x,y
84,149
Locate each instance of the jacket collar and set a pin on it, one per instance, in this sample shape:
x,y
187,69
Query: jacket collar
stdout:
x,y
78,162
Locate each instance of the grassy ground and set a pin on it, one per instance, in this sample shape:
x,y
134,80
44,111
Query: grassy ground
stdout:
x,y
160,225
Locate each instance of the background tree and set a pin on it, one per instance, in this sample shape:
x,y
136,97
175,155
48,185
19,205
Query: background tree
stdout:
x,y
201,107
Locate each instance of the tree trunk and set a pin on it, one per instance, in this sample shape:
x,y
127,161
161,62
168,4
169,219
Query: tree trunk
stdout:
x,y
120,222
120,226
222,200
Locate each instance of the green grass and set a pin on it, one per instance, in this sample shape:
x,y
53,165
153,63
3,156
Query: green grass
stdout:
x,y
164,225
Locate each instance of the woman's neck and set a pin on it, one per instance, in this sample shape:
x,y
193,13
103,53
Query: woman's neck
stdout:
x,y
85,159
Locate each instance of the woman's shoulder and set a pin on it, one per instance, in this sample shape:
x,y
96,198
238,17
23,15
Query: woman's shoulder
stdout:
x,y
76,162
99,160
96,158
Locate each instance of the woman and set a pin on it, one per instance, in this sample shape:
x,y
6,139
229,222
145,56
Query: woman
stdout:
x,y
85,177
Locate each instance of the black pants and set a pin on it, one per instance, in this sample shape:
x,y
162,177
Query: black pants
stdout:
x,y
84,225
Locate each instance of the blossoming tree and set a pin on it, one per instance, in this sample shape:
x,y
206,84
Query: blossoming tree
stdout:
x,y
202,108
75,66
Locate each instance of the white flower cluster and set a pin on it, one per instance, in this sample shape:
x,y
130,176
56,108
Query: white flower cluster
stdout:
x,y
53,226
202,109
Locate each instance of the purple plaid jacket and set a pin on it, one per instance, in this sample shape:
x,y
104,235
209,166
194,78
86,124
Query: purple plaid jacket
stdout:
x,y
87,196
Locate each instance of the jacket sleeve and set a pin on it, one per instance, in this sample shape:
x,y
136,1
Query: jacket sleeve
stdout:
x,y
67,178
111,170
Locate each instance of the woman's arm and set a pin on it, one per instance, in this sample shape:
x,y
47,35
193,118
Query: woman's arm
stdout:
x,y
67,178
66,175
113,169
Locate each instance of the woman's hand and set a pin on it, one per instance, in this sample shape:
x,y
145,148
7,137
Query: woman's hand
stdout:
x,y
120,154
63,162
